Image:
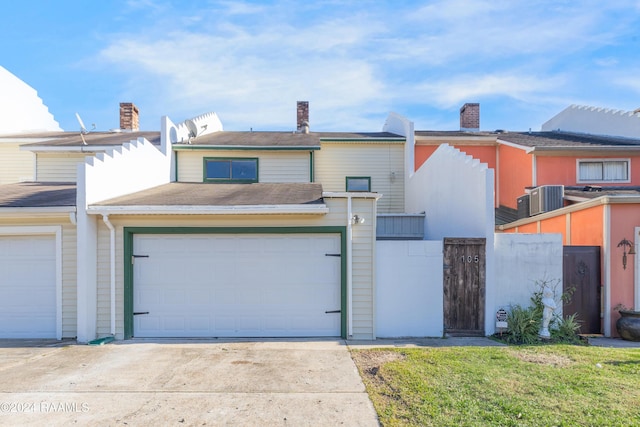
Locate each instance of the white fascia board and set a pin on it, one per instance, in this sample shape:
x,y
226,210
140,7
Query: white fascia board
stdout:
x,y
211,210
69,148
45,211
527,149
354,195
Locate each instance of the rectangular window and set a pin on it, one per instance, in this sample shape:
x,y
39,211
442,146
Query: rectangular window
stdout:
x,y
609,170
358,183
237,170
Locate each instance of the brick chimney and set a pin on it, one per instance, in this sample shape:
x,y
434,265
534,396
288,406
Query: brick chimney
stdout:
x,y
470,117
129,117
303,117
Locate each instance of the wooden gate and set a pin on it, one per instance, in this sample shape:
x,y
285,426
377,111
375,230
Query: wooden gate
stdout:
x,y
581,277
464,286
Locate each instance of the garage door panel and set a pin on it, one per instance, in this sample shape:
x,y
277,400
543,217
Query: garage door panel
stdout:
x,y
27,286
237,285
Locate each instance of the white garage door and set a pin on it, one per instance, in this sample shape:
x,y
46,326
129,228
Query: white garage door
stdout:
x,y
237,285
27,287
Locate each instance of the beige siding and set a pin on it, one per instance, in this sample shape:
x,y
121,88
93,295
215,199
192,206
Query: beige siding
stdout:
x,y
15,165
58,167
274,166
382,161
69,272
363,255
69,282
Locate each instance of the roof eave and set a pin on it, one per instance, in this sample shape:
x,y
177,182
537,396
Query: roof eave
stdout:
x,y
353,194
187,147
69,148
298,209
37,211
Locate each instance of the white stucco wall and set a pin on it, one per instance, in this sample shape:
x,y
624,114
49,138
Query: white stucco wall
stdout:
x,y
135,166
521,260
409,289
596,121
21,110
456,192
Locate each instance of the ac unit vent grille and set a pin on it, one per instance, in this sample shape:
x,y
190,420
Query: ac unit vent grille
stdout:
x,y
546,198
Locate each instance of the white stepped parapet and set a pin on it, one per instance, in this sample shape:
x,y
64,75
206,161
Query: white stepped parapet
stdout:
x,y
590,120
21,110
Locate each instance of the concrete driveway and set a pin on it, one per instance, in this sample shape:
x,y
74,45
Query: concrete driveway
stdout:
x,y
183,382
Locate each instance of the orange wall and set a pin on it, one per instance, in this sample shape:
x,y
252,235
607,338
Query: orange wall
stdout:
x,y
587,227
556,224
624,219
514,174
562,170
486,154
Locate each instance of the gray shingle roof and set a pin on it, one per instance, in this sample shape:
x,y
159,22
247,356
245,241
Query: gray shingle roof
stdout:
x,y
279,139
73,139
206,194
37,195
561,139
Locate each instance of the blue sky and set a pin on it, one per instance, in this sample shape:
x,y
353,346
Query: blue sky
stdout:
x,y
354,61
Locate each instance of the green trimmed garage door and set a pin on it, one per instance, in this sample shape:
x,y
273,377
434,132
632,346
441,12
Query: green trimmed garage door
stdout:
x,y
236,285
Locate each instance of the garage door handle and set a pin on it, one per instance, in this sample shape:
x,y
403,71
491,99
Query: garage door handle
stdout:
x,y
135,313
333,311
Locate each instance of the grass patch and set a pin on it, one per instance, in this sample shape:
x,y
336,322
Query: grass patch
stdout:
x,y
555,385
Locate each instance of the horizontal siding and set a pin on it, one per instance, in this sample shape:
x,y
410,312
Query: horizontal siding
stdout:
x,y
15,165
56,167
363,284
274,166
69,282
383,162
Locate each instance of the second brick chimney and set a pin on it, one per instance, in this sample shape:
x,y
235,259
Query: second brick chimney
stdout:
x,y
303,117
129,117
470,117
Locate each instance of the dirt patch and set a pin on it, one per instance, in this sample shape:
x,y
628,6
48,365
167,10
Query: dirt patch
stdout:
x,y
370,362
556,360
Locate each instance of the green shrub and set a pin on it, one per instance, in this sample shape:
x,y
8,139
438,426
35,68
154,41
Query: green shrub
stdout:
x,y
524,325
566,329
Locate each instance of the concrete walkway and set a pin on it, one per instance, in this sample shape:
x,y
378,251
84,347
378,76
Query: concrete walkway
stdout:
x,y
187,382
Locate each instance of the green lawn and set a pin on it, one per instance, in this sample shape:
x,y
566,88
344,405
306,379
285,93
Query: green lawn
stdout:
x,y
552,385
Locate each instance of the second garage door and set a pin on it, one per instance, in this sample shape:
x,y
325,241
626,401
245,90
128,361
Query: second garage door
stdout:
x,y
27,287
222,285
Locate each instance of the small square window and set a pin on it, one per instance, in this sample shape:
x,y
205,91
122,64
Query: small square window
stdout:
x,y
231,170
358,183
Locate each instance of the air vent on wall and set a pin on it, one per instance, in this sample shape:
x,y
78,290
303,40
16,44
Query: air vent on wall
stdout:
x,y
546,198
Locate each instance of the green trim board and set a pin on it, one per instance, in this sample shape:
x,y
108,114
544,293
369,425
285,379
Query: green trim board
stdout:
x,y
310,166
241,148
130,232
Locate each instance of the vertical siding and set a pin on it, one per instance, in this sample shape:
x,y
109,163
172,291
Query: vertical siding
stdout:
x,y
335,161
274,166
15,165
57,167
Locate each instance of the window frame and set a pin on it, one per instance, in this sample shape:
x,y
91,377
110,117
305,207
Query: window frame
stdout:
x,y
346,184
579,180
231,179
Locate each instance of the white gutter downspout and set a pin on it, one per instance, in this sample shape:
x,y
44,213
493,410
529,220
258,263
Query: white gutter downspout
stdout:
x,y
349,267
112,257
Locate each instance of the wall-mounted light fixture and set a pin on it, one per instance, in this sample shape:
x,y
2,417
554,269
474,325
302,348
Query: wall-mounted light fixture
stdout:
x,y
626,244
356,219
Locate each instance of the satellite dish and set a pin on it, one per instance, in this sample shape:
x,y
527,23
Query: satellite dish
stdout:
x,y
83,130
203,125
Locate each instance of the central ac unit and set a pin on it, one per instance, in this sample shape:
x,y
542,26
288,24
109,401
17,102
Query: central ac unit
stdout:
x,y
546,198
